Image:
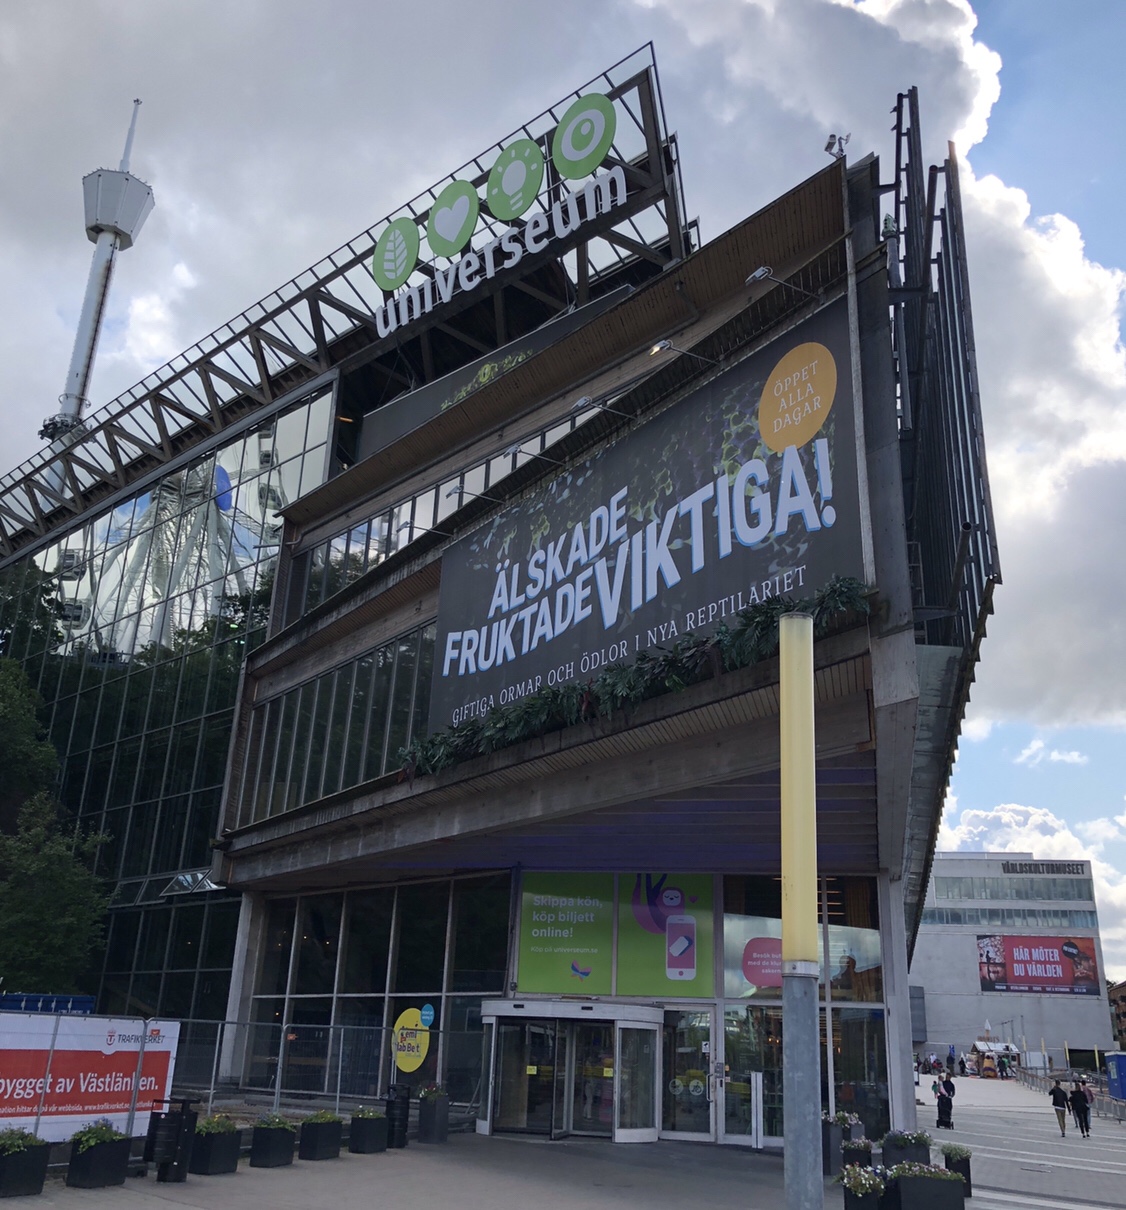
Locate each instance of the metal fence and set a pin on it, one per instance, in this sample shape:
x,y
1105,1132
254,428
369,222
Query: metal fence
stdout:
x,y
1104,1105
222,1062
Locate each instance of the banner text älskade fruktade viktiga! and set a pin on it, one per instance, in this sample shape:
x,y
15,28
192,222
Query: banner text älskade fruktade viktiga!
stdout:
x,y
744,490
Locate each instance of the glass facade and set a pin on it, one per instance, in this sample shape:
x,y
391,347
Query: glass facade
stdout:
x,y
1057,918
338,729
1013,888
338,971
332,565
133,628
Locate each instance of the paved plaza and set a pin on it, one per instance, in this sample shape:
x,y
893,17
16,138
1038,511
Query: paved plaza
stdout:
x,y
1019,1161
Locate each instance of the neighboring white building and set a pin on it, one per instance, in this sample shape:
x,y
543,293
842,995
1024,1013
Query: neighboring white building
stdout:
x,y
1013,942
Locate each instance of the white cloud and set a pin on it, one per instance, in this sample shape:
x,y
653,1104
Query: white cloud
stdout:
x,y
1012,827
1032,755
976,730
1068,758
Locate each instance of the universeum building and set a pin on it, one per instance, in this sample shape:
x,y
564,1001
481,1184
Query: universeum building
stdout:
x,y
413,636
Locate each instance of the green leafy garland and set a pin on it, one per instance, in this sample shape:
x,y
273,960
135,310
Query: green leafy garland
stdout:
x,y
690,660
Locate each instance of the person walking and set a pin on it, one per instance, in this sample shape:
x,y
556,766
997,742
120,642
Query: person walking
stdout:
x,y
1060,1105
1081,1109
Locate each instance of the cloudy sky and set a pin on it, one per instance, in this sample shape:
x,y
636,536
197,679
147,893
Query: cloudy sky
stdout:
x,y
274,130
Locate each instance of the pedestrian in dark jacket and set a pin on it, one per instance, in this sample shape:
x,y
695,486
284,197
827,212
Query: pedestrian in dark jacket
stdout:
x,y
1081,1109
1060,1105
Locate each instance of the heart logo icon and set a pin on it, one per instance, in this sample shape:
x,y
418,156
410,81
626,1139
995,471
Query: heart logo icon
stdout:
x,y
449,220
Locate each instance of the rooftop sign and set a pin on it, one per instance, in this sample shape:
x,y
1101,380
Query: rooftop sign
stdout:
x,y
581,142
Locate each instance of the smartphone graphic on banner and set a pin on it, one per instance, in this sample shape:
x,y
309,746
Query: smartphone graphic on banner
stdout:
x,y
680,947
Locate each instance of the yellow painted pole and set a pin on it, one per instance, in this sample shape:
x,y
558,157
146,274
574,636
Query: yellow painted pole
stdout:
x,y
801,1075
799,790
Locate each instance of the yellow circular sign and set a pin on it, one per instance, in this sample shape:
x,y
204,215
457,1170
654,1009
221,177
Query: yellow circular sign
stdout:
x,y
410,1040
797,397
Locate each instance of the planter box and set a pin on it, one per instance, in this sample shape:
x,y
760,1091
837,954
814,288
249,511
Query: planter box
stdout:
x,y
862,1159
861,1201
320,1140
215,1154
919,1153
22,1173
434,1119
271,1147
923,1193
367,1136
832,1136
99,1166
962,1166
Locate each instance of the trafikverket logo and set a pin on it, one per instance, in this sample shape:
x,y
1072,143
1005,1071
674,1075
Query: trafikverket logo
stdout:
x,y
581,141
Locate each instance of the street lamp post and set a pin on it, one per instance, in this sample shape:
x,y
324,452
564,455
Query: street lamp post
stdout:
x,y
801,1078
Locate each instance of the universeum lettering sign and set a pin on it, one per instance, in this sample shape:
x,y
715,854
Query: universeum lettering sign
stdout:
x,y
744,490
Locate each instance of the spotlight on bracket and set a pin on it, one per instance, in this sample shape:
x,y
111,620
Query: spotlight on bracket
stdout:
x,y
663,346
766,273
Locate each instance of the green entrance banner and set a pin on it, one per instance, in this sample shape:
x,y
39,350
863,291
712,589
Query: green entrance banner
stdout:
x,y
566,933
665,943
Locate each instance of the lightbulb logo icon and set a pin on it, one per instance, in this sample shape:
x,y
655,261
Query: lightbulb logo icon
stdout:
x,y
452,218
584,136
396,253
515,179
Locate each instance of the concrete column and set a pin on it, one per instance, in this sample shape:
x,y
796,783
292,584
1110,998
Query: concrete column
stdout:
x,y
897,997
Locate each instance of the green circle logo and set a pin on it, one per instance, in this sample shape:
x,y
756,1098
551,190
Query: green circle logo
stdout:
x,y
396,253
515,179
452,218
584,136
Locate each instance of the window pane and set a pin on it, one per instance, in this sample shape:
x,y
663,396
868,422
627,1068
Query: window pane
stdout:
x,y
187,932
855,966
402,699
368,941
317,945
219,940
423,912
279,940
480,934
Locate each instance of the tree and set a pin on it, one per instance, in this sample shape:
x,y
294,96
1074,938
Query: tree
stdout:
x,y
28,762
51,903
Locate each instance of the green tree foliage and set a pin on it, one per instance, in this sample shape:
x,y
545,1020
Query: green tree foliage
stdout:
x,y
51,904
28,762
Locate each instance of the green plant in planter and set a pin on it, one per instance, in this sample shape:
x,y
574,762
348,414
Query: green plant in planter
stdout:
x,y
275,1121
910,1168
840,1118
859,1180
23,1163
322,1115
367,1111
864,1145
217,1123
14,1140
955,1151
906,1138
93,1133
431,1092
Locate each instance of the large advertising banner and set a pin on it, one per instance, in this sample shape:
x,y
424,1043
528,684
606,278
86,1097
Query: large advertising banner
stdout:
x,y
567,934
745,490
665,942
55,1080
1038,964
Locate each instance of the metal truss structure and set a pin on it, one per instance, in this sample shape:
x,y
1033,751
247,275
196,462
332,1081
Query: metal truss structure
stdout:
x,y
950,529
322,324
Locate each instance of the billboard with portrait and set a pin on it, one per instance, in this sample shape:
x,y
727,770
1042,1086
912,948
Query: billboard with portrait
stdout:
x,y
744,490
1038,964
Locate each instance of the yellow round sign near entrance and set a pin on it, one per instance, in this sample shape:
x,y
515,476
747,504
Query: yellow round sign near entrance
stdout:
x,y
410,1040
797,397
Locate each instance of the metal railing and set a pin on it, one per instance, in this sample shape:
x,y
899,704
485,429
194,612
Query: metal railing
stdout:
x,y
265,1064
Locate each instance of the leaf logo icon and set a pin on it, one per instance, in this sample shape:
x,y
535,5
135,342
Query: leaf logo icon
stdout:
x,y
396,253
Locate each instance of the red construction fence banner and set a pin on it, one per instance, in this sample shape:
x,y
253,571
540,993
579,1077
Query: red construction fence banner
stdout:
x,y
1038,964
58,1073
